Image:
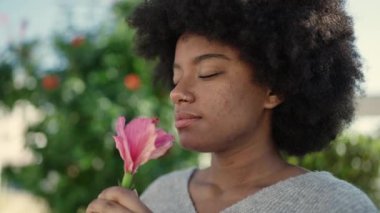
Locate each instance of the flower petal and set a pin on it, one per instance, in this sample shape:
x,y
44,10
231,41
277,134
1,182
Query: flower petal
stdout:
x,y
122,144
163,143
128,164
140,141
141,137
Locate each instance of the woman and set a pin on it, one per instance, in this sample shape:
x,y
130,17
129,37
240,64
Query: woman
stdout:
x,y
250,79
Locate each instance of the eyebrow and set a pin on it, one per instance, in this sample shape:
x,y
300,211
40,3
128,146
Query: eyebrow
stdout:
x,y
203,57
200,58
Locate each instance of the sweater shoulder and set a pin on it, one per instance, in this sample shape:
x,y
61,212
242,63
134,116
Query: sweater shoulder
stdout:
x,y
331,193
169,192
311,192
173,179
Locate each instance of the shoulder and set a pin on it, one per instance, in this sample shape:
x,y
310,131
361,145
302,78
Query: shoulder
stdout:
x,y
168,192
315,192
173,180
326,192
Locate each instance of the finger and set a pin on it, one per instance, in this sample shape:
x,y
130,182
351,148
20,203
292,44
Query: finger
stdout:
x,y
104,206
124,197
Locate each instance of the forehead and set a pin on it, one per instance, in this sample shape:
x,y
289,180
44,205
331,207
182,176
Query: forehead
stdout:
x,y
193,45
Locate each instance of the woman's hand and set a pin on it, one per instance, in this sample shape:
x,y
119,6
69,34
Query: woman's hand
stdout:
x,y
117,200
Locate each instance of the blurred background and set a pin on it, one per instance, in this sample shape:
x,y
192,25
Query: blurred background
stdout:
x,y
68,70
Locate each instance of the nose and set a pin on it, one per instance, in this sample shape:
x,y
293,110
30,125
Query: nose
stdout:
x,y
180,94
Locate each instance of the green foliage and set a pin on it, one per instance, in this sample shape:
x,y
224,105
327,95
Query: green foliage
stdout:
x,y
81,99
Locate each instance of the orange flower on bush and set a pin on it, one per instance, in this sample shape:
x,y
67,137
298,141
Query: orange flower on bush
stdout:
x,y
138,142
132,81
50,82
77,41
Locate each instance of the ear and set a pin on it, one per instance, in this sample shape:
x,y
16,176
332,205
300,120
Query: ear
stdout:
x,y
272,100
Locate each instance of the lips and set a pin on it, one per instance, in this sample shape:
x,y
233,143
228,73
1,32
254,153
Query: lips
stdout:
x,y
185,119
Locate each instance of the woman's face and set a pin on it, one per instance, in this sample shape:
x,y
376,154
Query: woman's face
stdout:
x,y
217,105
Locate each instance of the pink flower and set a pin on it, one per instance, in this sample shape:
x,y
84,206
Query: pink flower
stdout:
x,y
140,141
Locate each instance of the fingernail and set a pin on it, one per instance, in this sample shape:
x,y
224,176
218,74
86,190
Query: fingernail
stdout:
x,y
100,195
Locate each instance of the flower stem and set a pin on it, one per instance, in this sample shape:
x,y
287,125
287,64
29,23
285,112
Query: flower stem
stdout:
x,y
127,181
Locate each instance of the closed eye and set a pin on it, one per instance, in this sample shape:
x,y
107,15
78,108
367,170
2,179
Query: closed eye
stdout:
x,y
209,76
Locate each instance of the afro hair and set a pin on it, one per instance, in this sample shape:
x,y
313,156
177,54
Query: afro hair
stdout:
x,y
302,49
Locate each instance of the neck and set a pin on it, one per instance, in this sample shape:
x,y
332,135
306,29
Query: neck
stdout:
x,y
254,164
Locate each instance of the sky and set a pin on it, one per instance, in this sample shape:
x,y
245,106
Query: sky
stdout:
x,y
367,28
45,16
39,19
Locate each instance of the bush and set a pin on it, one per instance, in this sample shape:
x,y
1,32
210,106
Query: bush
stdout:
x,y
98,79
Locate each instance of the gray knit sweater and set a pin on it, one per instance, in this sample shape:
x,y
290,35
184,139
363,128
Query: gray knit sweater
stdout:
x,y
310,192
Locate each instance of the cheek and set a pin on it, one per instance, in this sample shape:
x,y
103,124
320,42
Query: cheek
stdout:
x,y
236,108
227,112
229,102
220,104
